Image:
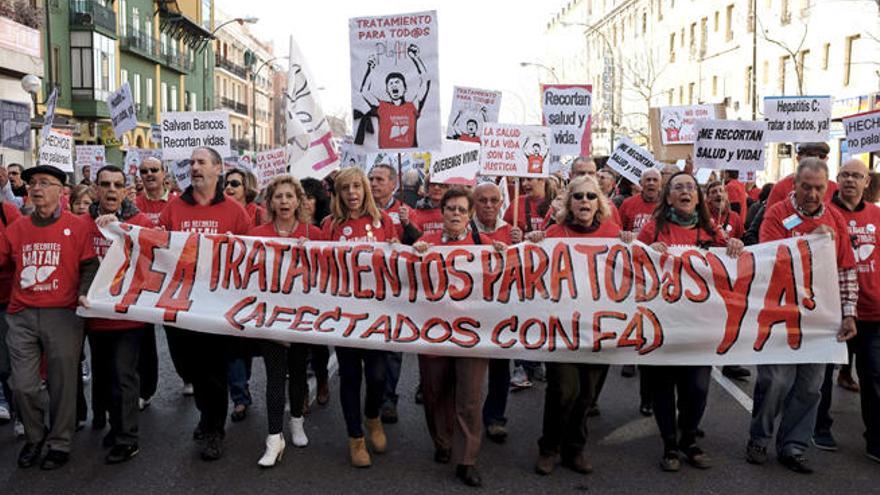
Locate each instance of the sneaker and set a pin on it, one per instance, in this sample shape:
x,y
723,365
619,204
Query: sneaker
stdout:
x,y
823,440
188,390
520,380
18,428
796,463
496,432
546,464
121,453
144,403
213,448
5,416
670,462
755,454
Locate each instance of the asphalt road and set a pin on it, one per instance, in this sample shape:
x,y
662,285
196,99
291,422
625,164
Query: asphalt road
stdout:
x,y
624,448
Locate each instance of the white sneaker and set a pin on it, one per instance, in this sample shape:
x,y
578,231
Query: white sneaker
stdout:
x,y
18,428
188,389
274,450
520,379
4,415
144,403
298,432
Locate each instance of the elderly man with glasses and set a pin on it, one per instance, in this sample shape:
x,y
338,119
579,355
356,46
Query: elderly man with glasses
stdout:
x,y
155,195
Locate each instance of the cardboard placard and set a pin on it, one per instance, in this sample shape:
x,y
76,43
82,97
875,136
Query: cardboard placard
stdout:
x,y
670,153
515,150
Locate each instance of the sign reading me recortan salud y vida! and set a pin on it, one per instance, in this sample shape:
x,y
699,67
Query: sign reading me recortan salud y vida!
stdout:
x,y
730,144
182,132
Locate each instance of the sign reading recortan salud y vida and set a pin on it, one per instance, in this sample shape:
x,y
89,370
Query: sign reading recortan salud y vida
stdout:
x,y
562,300
730,144
269,164
515,150
677,123
56,150
797,119
630,160
566,111
182,132
863,132
458,163
122,112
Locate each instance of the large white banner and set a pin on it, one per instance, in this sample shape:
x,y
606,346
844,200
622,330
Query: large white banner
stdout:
x,y
796,119
730,144
182,132
394,81
578,300
515,150
309,150
566,111
123,116
471,109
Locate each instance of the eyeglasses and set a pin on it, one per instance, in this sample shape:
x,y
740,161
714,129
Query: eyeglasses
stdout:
x,y
851,175
684,188
820,156
233,183
11,172
579,196
106,184
145,171
42,184
457,209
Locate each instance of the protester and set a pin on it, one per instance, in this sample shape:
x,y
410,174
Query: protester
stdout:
x,y
736,192
39,307
582,165
241,186
285,198
427,217
81,198
115,344
8,214
861,218
723,216
12,188
572,388
356,218
155,195
666,173
452,385
534,202
204,209
793,389
785,186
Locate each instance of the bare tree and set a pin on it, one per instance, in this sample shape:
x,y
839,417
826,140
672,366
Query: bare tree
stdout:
x,y
639,76
795,52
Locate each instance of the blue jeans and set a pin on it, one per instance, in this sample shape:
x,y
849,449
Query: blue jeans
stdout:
x,y
393,363
496,397
357,366
793,391
867,348
239,373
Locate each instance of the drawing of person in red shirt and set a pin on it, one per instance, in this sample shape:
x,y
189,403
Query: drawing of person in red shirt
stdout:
x,y
397,117
535,158
471,131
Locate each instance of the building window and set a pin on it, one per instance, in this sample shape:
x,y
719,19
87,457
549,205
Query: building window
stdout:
x,y
704,36
826,53
766,79
644,22
206,14
691,87
163,95
93,65
728,24
748,91
714,85
136,91
55,65
717,21
670,97
847,58
173,98
193,102
123,19
150,94
136,21
659,10
672,47
785,12
783,62
123,77
693,44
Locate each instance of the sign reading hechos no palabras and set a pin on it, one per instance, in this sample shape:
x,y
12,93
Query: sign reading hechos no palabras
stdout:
x,y
579,300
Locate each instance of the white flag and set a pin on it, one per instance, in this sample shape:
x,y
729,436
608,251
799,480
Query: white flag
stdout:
x,y
309,145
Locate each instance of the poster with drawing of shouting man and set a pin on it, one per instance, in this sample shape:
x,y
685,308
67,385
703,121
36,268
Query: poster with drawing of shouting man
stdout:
x,y
394,84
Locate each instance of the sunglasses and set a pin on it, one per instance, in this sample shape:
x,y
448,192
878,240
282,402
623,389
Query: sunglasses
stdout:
x,y
106,184
579,196
233,183
145,171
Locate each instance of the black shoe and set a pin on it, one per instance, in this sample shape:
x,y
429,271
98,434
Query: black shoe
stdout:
x,y
54,459
796,462
109,440
239,413
593,411
468,475
213,448
646,410
628,371
389,414
99,422
496,432
419,397
736,372
30,454
198,434
824,440
121,453
442,456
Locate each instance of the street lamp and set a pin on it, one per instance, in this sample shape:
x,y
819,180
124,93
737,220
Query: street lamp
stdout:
x,y
542,66
241,21
254,99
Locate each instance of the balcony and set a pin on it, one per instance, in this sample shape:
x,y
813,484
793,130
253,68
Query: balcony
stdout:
x,y
224,102
230,66
90,14
240,144
149,47
175,59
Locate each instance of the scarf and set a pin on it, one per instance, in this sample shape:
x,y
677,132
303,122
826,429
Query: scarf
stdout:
x,y
688,221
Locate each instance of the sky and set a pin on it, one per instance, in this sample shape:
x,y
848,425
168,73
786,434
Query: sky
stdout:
x,y
482,43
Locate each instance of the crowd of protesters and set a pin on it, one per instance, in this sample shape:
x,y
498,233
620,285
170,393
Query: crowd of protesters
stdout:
x,y
51,247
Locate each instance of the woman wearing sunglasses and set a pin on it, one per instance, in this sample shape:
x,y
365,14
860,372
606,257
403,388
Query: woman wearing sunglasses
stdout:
x,y
682,219
242,186
572,387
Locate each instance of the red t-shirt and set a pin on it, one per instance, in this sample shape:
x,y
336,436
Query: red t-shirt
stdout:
x,y
536,163
12,214
393,212
427,220
436,239
536,221
46,261
303,230
469,138
226,216
607,229
863,226
358,230
736,194
785,186
397,125
101,244
676,235
257,213
773,229
731,223
615,214
635,213
501,234
754,193
152,209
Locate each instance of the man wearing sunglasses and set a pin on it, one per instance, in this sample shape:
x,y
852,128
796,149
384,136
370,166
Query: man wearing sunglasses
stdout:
x,y
785,186
54,264
155,195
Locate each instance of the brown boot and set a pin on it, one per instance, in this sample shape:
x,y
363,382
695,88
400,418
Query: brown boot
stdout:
x,y
323,396
377,435
546,464
578,463
357,449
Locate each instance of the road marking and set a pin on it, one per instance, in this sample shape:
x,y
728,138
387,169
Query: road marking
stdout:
x,y
734,391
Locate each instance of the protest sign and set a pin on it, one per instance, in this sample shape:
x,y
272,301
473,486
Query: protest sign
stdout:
x,y
309,145
394,81
56,149
730,144
49,118
134,157
566,111
351,155
630,160
514,150
155,133
794,119
269,164
15,125
180,169
182,132
91,156
123,116
862,132
458,162
677,123
570,300
471,108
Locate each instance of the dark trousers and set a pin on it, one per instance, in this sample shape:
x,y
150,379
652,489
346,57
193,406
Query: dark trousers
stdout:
x,y
320,357
355,365
570,391
823,414
867,347
206,356
177,347
115,353
496,397
393,364
284,364
691,383
148,363
644,387
239,376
